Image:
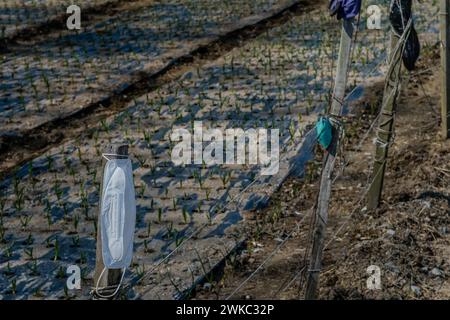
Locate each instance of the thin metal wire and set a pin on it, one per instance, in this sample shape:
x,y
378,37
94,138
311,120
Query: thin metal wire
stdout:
x,y
195,232
403,38
141,278
278,248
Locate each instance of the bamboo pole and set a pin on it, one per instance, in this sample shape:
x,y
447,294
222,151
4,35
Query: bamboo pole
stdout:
x,y
344,60
386,123
445,61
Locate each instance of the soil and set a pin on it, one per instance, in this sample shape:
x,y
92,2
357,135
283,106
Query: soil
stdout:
x,y
407,237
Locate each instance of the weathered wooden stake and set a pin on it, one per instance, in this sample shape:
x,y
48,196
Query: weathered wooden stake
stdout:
x,y
386,124
111,277
445,70
315,262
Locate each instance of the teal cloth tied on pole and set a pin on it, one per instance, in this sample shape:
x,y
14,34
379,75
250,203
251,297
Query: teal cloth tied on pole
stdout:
x,y
324,131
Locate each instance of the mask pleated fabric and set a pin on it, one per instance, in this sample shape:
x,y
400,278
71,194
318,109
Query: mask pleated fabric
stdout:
x,y
117,218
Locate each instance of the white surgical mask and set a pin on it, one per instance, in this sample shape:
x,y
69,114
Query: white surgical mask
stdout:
x,y
117,218
118,215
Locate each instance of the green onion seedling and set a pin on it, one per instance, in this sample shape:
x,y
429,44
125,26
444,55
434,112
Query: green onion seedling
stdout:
x,y
60,274
13,286
33,268
2,234
83,258
30,240
24,221
149,228
56,256
160,215
75,221
185,215
29,252
76,241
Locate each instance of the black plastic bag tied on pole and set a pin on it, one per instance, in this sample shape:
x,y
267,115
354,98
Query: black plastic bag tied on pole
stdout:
x,y
399,14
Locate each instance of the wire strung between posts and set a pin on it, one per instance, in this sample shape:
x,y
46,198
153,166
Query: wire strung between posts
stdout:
x,y
310,131
267,259
346,97
352,91
359,146
132,283
272,254
400,45
237,197
303,268
293,279
427,96
141,278
230,201
344,224
356,207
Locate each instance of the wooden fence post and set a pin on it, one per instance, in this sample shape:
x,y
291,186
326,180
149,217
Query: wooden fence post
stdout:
x,y
344,60
445,61
111,277
386,124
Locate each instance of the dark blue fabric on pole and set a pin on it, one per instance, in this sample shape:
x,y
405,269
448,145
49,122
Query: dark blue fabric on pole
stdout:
x,y
345,9
335,7
351,8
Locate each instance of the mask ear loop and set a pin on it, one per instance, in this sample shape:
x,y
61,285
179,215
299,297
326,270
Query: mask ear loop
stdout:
x,y
115,291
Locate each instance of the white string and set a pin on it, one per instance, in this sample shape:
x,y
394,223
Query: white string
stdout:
x,y
96,290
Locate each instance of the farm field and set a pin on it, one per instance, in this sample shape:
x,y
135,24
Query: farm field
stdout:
x,y
50,80
19,15
189,217
63,72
